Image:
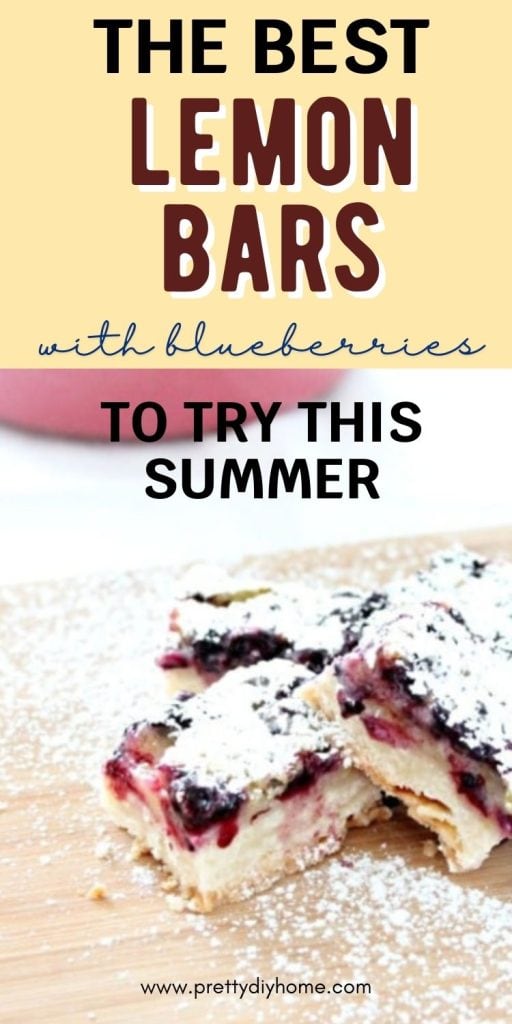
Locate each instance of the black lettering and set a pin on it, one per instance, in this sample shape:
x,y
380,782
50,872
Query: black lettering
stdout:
x,y
186,479
312,408
376,421
112,25
160,421
153,471
115,418
409,26
241,477
356,421
266,418
324,478
174,45
262,45
357,478
234,422
310,44
289,477
406,421
355,39
200,44
198,408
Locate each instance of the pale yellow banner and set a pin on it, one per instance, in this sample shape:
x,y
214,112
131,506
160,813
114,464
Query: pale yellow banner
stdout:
x,y
84,246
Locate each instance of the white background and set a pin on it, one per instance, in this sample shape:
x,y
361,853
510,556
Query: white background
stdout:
x,y
70,507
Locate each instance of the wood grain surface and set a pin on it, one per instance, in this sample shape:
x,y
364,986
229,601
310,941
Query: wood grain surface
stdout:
x,y
77,666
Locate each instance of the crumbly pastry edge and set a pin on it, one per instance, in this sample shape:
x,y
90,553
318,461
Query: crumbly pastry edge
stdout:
x,y
148,835
465,835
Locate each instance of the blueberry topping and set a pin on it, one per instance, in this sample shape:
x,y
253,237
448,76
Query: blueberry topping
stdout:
x,y
201,806
456,616
397,675
256,646
289,689
375,602
312,767
279,718
177,717
210,654
351,707
467,780
314,660
217,654
477,568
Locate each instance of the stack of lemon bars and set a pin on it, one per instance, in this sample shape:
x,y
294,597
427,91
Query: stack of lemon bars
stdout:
x,y
296,713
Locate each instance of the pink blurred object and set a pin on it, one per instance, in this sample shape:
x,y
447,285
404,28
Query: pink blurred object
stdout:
x,y
68,401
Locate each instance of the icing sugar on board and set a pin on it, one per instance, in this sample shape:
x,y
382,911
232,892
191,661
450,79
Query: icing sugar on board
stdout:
x,y
77,665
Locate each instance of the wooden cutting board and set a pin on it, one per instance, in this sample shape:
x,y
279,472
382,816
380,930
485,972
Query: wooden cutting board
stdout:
x,y
77,665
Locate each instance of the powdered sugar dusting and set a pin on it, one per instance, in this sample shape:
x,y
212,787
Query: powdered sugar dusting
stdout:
x,y
306,617
238,735
77,666
214,629
450,669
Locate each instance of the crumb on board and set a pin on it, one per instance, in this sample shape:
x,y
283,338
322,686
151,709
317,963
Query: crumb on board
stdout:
x,y
97,892
137,850
169,884
429,848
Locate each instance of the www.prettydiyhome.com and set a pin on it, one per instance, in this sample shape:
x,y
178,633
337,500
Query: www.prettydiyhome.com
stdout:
x,y
257,987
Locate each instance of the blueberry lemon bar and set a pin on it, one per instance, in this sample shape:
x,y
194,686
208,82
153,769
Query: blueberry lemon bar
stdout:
x,y
238,785
480,588
424,703
219,623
